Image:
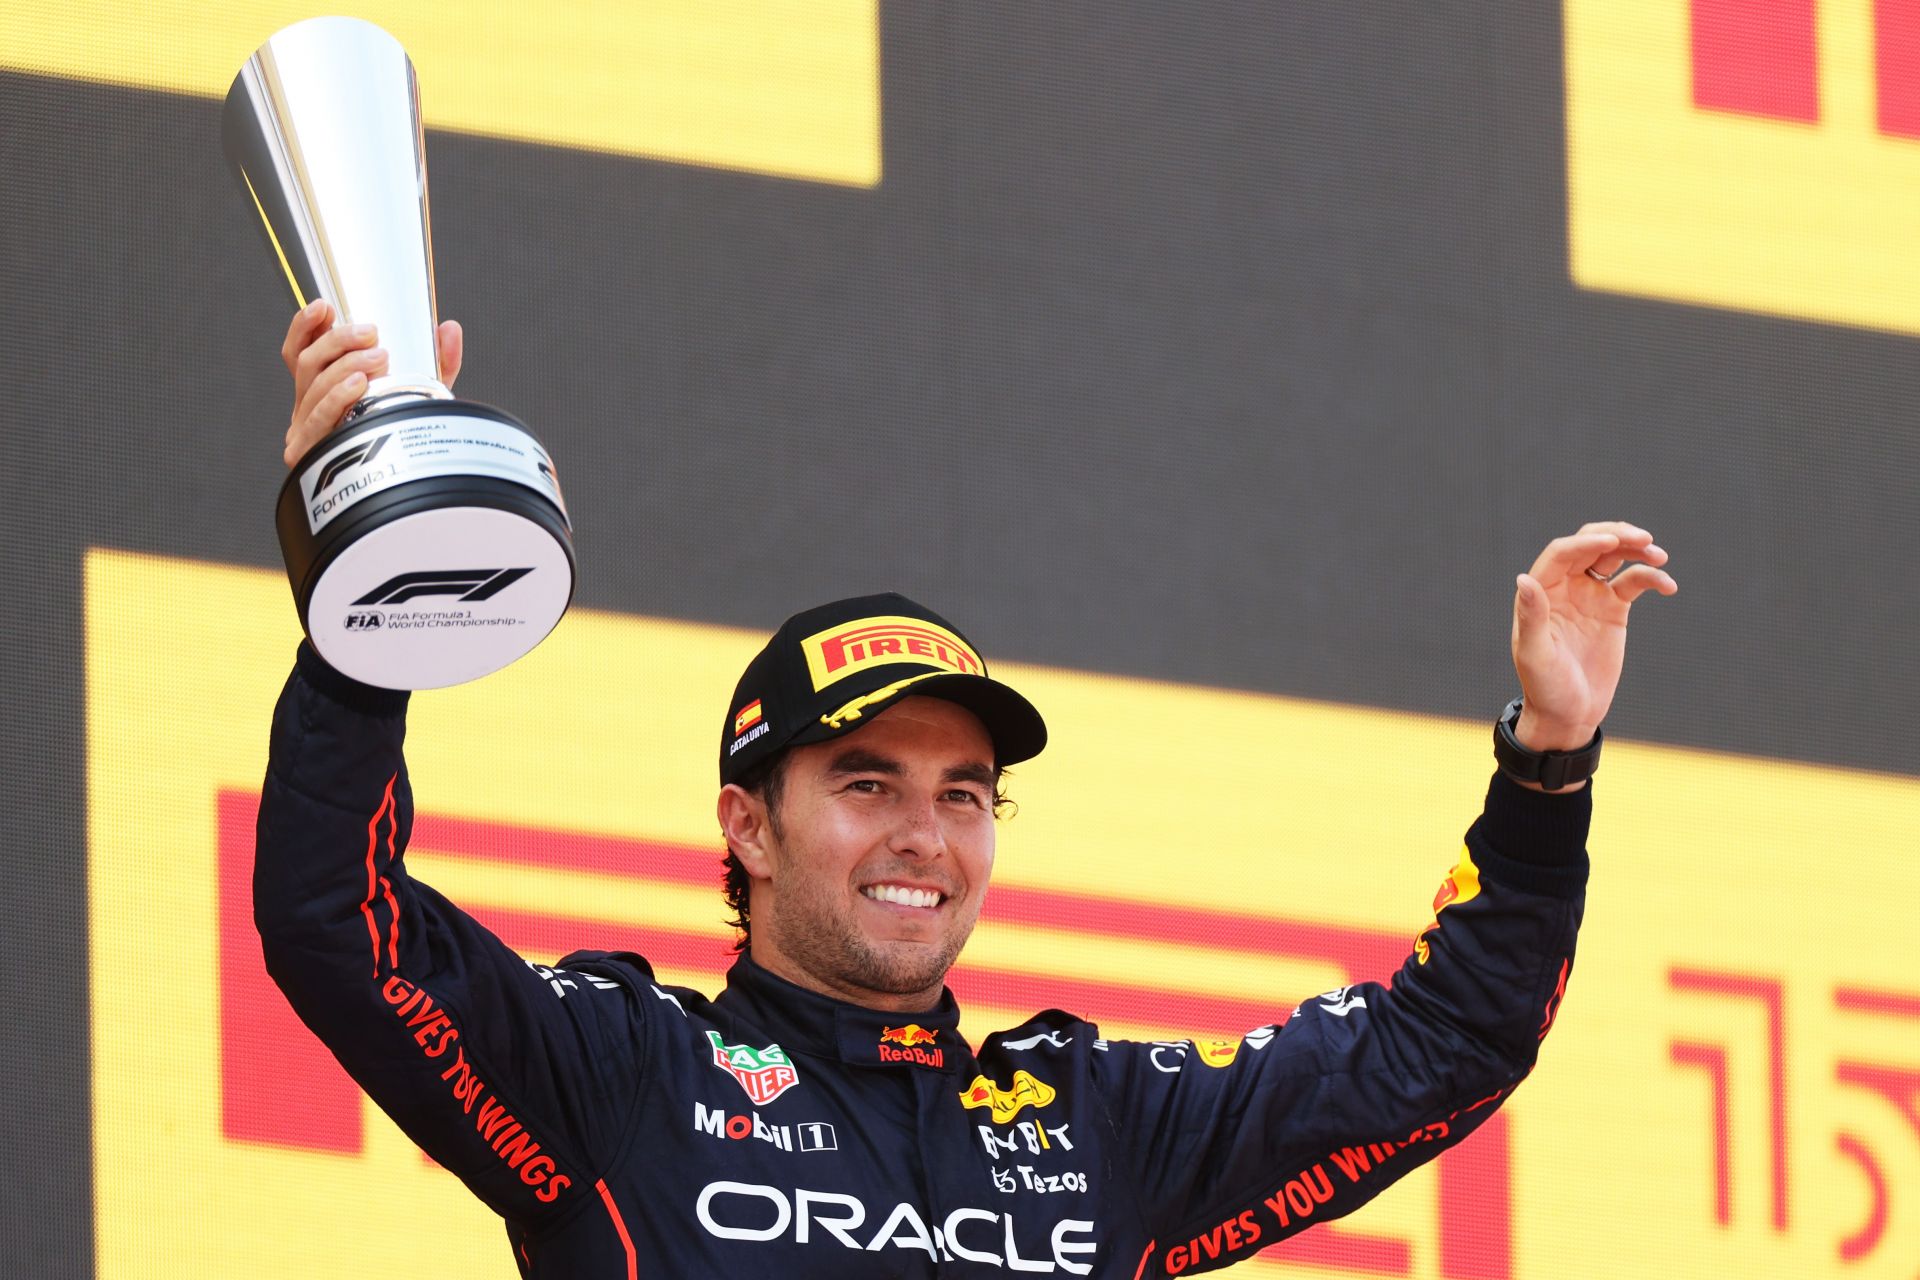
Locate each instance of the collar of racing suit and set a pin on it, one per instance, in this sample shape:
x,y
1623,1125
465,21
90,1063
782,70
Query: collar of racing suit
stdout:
x,y
820,1026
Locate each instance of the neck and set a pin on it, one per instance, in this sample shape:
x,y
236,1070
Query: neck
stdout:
x,y
768,955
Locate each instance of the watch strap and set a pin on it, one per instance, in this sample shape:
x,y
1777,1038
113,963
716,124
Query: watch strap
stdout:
x,y
1551,769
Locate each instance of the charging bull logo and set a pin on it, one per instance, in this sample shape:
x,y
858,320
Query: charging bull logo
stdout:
x,y
1216,1051
860,646
1005,1104
909,1044
1461,885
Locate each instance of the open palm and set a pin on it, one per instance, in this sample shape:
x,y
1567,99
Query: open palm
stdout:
x,y
1570,628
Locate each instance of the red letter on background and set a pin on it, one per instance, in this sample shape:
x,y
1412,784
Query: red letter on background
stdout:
x,y
1896,66
1756,57
278,1083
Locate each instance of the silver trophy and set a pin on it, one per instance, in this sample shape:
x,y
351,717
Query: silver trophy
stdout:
x,y
426,540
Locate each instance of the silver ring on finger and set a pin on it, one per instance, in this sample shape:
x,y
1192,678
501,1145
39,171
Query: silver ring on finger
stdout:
x,y
1597,576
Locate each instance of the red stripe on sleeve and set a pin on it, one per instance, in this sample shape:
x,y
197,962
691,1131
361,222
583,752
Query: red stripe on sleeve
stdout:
x,y
373,876
393,835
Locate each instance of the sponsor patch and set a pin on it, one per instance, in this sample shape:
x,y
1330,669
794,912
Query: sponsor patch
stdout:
x,y
764,1073
1341,1001
1005,1104
729,1210
716,1122
911,1043
817,1135
1053,1038
1216,1051
1461,885
1028,1135
858,646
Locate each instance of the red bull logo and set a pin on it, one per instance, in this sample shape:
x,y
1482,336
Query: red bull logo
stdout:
x,y
859,646
1005,1104
1216,1051
909,1044
1461,885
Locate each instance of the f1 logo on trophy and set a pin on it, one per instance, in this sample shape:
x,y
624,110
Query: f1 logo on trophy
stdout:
x,y
426,540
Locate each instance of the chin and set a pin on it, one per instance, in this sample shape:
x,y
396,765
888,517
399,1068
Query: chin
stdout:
x,y
902,967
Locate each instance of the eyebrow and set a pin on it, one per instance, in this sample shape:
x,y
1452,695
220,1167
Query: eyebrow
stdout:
x,y
860,760
979,773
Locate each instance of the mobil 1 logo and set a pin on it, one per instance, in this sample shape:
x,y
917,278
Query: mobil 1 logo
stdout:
x,y
717,1122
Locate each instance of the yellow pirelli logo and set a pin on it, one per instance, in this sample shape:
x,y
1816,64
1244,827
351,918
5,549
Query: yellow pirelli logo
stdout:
x,y
836,653
1756,154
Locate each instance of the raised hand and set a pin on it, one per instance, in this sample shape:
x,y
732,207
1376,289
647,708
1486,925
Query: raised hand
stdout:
x,y
331,368
1570,628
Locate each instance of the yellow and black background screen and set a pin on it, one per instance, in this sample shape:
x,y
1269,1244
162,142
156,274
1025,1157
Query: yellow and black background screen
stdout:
x,y
1215,367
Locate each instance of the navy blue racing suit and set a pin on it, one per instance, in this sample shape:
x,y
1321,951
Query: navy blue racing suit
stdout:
x,y
624,1128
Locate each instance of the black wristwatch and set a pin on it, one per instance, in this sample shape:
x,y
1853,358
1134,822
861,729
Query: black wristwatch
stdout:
x,y
1551,769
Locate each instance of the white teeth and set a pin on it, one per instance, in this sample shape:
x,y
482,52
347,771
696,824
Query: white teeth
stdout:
x,y
904,896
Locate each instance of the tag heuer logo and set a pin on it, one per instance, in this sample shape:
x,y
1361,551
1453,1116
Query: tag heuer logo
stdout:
x,y
764,1073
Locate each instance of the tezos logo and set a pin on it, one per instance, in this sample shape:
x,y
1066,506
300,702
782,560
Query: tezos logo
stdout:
x,y
359,453
467,584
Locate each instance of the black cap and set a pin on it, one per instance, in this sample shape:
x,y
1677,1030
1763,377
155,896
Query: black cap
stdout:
x,y
830,670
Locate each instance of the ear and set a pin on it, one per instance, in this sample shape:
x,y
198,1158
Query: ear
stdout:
x,y
744,822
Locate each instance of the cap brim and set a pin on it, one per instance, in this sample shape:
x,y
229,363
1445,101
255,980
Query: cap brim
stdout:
x,y
1012,722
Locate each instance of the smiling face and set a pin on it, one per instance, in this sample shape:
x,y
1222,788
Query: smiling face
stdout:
x,y
874,878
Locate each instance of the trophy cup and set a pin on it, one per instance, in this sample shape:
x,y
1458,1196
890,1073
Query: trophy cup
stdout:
x,y
426,540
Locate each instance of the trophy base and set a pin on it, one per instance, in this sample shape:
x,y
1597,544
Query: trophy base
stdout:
x,y
427,544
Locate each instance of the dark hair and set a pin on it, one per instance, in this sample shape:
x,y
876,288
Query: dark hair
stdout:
x,y
765,780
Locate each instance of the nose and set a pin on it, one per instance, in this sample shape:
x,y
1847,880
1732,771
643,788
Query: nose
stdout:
x,y
918,833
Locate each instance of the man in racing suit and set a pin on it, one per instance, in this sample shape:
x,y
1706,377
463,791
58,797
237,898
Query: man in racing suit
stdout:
x,y
822,1115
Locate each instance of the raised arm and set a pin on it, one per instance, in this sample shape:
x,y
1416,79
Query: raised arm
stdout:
x,y
1307,1120
516,1081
